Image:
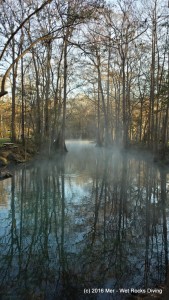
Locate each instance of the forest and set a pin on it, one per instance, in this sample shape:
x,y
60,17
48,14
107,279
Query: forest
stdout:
x,y
89,79
86,69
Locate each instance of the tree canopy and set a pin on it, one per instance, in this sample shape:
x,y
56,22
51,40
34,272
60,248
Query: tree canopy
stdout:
x,y
113,55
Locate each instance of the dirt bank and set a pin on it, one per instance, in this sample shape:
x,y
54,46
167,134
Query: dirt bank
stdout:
x,y
13,154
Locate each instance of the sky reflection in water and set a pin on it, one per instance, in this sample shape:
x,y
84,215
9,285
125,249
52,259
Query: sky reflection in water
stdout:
x,y
92,219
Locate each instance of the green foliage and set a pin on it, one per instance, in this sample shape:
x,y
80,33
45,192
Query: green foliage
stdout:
x,y
4,140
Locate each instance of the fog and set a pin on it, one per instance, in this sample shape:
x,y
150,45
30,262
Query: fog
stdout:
x,y
85,225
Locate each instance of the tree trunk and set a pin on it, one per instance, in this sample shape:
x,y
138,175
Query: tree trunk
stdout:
x,y
57,104
125,125
99,141
103,99
62,141
38,116
48,46
14,74
23,104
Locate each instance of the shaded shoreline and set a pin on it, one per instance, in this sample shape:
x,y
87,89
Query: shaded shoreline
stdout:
x,y
13,156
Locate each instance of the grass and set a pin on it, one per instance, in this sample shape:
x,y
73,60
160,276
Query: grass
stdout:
x,y
4,140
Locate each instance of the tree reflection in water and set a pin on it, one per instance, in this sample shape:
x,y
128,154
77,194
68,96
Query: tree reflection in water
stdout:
x,y
93,218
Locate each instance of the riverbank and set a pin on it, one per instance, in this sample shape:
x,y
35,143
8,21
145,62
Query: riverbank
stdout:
x,y
13,154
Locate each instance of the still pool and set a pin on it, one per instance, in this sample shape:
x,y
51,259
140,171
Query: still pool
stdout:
x,y
92,224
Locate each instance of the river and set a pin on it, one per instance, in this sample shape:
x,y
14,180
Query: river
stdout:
x,y
90,225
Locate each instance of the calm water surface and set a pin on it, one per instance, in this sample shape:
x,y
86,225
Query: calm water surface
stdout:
x,y
94,219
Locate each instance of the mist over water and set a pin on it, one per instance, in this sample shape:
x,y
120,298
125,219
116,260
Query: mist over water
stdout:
x,y
92,219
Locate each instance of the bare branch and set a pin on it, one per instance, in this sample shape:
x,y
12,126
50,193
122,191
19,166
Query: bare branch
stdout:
x,y
21,25
3,92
